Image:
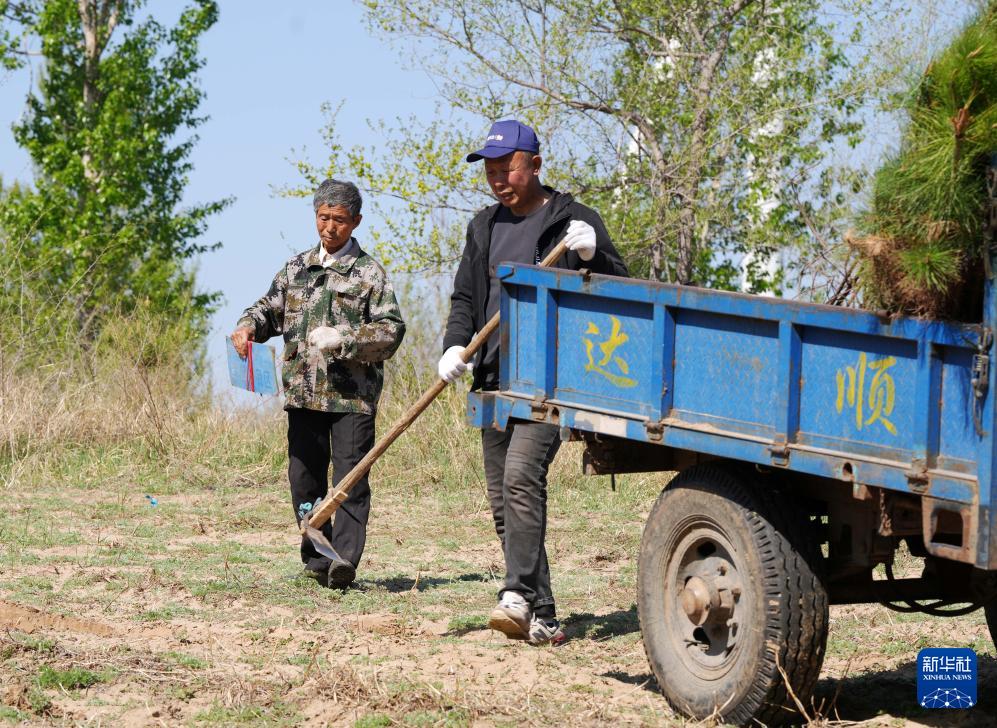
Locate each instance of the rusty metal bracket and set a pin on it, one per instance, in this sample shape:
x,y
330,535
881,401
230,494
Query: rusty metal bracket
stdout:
x,y
780,454
538,409
655,431
917,478
940,519
899,515
862,492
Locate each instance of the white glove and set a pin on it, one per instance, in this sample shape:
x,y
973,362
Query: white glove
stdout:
x,y
581,239
451,366
326,339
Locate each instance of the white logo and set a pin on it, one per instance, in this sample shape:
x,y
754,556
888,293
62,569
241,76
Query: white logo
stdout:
x,y
494,137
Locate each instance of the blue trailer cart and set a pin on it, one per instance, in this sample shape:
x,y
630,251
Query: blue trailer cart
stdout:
x,y
810,443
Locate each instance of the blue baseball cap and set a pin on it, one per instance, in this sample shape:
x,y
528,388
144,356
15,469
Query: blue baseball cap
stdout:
x,y
505,137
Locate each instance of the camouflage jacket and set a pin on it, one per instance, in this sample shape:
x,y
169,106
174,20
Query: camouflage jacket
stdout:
x,y
352,295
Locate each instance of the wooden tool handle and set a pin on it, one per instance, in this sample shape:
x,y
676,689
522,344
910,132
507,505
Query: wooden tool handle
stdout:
x,y
324,512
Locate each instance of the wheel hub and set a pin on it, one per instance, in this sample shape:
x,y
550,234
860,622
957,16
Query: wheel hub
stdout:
x,y
696,600
707,601
706,584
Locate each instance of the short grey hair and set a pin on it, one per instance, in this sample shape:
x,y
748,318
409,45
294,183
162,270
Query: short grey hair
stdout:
x,y
334,193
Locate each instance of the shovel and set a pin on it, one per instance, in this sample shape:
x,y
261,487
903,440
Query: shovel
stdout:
x,y
313,521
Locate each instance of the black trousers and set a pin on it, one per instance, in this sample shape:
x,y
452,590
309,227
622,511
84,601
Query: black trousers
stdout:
x,y
516,463
313,438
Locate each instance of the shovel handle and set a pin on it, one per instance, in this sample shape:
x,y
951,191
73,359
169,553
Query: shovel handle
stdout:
x,y
318,517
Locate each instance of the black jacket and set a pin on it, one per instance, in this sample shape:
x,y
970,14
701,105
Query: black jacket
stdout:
x,y
470,293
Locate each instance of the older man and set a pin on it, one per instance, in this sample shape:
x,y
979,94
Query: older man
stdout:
x,y
340,320
528,221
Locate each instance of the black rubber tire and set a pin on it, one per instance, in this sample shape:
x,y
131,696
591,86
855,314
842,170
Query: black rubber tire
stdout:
x,y
769,550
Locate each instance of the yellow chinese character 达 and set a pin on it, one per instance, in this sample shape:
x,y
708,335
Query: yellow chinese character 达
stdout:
x,y
881,396
608,348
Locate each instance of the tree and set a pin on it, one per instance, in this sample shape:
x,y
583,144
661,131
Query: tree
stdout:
x,y
700,129
109,134
12,16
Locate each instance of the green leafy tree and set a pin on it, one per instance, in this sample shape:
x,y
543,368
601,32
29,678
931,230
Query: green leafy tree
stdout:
x,y
700,130
13,16
110,132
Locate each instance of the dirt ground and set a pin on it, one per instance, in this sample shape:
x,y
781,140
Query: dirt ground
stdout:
x,y
192,612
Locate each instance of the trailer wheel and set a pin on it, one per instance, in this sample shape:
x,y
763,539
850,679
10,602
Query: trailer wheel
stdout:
x,y
731,607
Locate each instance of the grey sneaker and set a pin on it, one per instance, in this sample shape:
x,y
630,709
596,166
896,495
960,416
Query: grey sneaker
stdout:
x,y
546,632
512,616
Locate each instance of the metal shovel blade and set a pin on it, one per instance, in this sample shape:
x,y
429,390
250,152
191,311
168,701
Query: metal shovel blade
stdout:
x,y
321,543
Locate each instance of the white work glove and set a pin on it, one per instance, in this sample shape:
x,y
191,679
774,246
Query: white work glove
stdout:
x,y
451,366
326,339
581,239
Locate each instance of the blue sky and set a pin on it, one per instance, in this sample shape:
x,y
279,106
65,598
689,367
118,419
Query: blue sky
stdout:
x,y
270,66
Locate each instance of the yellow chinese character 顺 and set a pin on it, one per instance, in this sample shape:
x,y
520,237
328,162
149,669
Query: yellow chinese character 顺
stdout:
x,y
881,396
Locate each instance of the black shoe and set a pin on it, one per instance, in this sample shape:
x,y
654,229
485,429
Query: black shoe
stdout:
x,y
341,574
322,577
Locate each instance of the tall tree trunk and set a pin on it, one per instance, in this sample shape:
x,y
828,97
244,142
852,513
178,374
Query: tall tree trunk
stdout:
x,y
98,19
716,43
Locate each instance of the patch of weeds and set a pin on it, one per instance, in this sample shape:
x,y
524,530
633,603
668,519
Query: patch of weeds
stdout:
x,y
579,688
75,678
147,531
12,714
35,584
214,587
188,661
183,693
26,558
375,720
846,644
467,622
21,642
449,719
164,613
38,701
276,714
303,660
982,646
37,644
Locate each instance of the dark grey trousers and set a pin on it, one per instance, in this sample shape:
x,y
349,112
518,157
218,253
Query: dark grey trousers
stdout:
x,y
313,438
516,463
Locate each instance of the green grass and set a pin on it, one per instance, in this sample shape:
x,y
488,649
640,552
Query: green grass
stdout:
x,y
12,715
467,622
277,714
188,661
75,678
38,701
436,719
36,644
373,721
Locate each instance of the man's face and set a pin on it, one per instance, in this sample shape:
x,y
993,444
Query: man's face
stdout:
x,y
513,178
335,226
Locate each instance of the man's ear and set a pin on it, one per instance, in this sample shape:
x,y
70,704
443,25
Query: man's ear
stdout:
x,y
356,221
537,161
